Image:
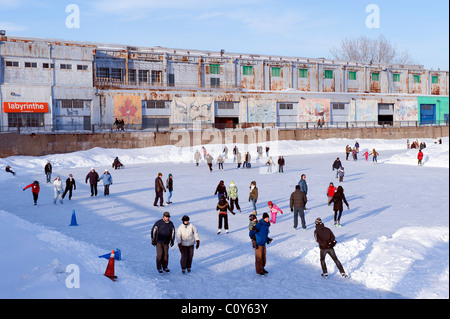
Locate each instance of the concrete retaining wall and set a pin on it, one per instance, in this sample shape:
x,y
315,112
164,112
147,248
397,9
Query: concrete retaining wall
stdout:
x,y
43,144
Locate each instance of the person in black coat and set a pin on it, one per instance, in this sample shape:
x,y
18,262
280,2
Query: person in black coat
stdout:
x,y
337,200
336,165
48,171
70,185
326,240
163,235
92,176
159,189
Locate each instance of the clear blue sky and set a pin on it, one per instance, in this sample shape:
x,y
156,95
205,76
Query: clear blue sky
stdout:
x,y
302,28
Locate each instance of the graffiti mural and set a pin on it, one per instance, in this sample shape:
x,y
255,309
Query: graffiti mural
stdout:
x,y
258,111
128,108
406,111
363,110
312,110
192,109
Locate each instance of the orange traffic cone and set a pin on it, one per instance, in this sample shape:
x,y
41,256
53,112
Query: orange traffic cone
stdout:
x,y
110,268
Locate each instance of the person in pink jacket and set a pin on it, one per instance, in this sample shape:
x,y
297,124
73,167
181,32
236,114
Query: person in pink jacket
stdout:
x,y
366,155
274,209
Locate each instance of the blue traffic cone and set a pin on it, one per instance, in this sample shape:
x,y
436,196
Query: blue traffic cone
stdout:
x,y
74,219
117,255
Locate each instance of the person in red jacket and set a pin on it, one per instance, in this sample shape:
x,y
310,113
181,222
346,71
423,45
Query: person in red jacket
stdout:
x,y
419,157
34,190
330,191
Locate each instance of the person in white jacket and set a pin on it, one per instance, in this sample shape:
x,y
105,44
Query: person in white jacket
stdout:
x,y
187,236
57,184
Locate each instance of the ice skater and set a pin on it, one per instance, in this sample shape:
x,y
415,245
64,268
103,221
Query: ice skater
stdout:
x,y
274,209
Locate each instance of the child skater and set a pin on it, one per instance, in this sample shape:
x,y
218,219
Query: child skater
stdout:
x,y
274,209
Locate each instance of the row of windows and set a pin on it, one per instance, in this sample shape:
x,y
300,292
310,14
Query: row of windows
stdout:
x,y
45,65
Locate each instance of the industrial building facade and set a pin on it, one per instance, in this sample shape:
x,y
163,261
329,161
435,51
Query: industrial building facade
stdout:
x,y
63,85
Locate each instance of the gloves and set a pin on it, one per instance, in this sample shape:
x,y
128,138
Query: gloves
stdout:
x,y
154,242
197,244
269,240
171,243
292,209
233,213
348,207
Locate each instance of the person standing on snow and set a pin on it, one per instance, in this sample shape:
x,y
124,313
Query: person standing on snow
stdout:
x,y
34,190
337,200
303,184
269,164
219,161
348,150
57,184
209,160
330,191
419,157
222,207
326,240
274,209
197,157
297,203
374,154
163,235
233,195
107,181
159,189
187,236
70,185
253,196
336,165
281,163
9,170
341,174
169,185
92,176
221,190
238,158
261,233
48,171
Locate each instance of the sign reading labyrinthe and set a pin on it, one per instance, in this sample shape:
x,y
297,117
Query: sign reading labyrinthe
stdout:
x,y
25,107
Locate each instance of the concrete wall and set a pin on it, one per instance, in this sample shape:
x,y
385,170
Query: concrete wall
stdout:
x,y
43,144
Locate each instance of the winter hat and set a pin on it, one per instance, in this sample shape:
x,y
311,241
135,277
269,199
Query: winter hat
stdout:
x,y
265,215
232,183
166,214
185,218
170,175
269,203
318,221
252,217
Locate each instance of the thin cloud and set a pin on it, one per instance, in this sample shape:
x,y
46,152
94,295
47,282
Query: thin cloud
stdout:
x,y
12,27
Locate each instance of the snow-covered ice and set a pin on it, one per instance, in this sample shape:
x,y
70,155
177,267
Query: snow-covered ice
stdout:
x,y
394,242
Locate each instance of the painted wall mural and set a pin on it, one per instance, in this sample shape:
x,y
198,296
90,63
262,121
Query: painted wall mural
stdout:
x,y
363,110
258,111
406,111
312,110
128,108
192,109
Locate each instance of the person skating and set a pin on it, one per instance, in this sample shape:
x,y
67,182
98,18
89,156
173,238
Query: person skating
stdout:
x,y
330,191
117,164
341,174
163,235
222,207
348,150
92,176
338,207
366,155
70,186
187,237
419,157
269,164
107,182
159,189
233,195
57,185
297,203
336,165
169,185
221,190
197,157
326,240
9,170
34,190
209,160
303,185
261,233
274,210
374,156
219,161
253,220
48,171
239,159
253,196
281,163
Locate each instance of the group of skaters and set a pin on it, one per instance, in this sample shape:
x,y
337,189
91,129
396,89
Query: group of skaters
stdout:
x,y
60,190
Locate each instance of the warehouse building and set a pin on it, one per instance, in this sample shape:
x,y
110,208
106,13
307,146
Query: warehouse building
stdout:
x,y
56,85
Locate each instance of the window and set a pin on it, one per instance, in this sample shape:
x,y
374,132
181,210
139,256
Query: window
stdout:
x,y
375,77
14,64
247,70
156,77
303,73
103,73
74,104
48,65
435,79
82,67
116,74
396,77
30,64
338,106
285,106
65,66
214,69
328,74
416,78
171,79
25,119
352,75
215,82
276,71
143,76
153,104
132,75
225,105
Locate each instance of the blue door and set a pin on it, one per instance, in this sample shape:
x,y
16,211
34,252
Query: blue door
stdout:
x,y
427,113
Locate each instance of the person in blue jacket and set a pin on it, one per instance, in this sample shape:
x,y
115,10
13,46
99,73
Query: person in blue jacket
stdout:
x,y
261,233
303,184
107,181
